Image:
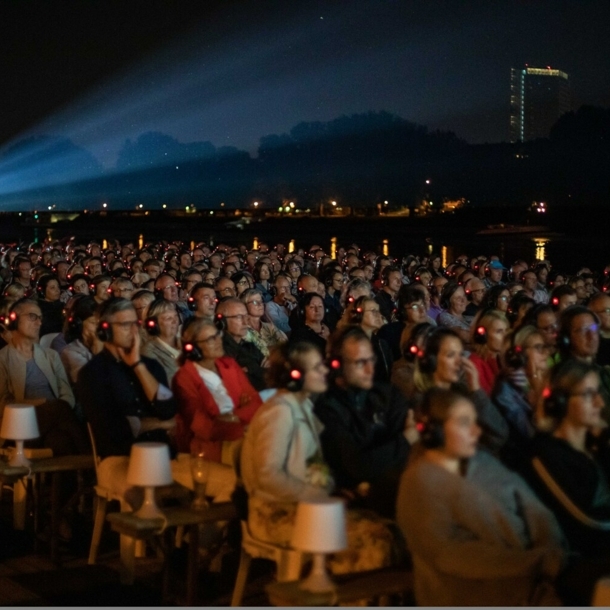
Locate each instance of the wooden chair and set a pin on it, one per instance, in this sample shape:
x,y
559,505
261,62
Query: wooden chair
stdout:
x,y
103,495
288,561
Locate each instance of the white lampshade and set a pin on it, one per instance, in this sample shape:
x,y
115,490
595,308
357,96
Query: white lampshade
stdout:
x,y
319,526
149,465
19,423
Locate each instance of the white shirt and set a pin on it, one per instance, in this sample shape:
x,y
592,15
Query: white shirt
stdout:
x,y
214,383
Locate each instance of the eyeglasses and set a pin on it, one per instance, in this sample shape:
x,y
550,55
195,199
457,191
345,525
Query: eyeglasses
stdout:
x,y
122,290
242,281
360,363
256,303
32,317
417,307
539,347
169,286
606,310
588,394
211,338
239,315
503,298
126,325
591,328
375,311
227,289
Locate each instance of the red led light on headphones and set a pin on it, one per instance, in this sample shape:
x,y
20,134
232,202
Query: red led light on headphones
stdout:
x,y
481,330
335,364
188,347
546,393
295,374
151,323
413,349
420,426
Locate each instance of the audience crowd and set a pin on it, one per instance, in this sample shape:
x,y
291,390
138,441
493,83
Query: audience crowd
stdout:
x,y
461,412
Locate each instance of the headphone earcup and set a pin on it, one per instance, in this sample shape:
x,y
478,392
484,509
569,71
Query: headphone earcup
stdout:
x,y
151,325
515,357
191,304
220,322
556,404
12,321
431,434
296,380
427,363
480,335
76,326
357,315
191,351
104,331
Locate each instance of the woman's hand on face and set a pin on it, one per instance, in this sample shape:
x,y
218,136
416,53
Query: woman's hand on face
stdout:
x,y
132,355
471,374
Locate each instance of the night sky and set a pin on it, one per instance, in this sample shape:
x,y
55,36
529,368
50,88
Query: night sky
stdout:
x,y
230,72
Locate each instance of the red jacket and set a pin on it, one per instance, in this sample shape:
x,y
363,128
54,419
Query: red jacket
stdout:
x,y
488,371
198,428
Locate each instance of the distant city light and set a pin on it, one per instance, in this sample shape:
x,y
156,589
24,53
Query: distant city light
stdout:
x,y
255,204
292,204
104,205
164,206
141,206
333,203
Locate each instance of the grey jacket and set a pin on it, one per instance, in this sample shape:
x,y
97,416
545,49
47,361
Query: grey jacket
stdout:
x,y
477,540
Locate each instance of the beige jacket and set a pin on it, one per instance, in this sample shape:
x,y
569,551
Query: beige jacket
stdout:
x,y
13,371
283,435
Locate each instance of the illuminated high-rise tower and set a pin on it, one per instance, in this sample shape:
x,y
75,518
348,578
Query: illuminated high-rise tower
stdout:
x,y
538,97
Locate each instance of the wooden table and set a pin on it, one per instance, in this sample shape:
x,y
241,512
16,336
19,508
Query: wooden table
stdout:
x,y
141,529
55,466
350,588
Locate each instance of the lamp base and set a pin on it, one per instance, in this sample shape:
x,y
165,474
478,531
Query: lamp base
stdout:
x,y
17,458
149,509
318,580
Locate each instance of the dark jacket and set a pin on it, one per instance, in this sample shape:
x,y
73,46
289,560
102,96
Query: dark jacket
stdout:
x,y
109,391
249,357
52,317
363,440
387,306
383,366
583,480
306,333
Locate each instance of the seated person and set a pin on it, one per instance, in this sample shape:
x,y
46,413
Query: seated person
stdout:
x,y
162,324
282,462
35,376
49,293
310,326
81,337
233,314
477,534
366,430
263,334
215,399
487,340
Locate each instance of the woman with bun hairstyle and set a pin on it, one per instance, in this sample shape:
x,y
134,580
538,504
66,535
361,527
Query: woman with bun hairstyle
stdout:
x,y
477,534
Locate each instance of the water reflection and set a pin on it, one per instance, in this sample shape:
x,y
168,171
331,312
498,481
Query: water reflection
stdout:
x,y
386,247
541,243
255,243
333,248
140,241
444,257
291,246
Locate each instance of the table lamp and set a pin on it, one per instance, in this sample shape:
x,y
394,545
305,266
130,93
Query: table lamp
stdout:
x,y
19,424
149,467
319,528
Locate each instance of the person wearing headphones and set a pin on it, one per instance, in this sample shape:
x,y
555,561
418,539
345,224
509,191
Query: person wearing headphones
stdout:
x,y
391,281
477,533
367,316
281,305
570,470
475,293
562,297
99,287
126,399
49,293
368,430
519,390
311,326
31,375
487,340
161,324
215,399
233,314
82,342
166,288
454,302
202,300
79,284
443,364
22,272
599,304
493,274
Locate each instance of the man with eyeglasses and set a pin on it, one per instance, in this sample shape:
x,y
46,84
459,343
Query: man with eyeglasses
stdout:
x,y
122,287
368,429
578,339
599,304
166,288
475,291
31,375
233,314
225,287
